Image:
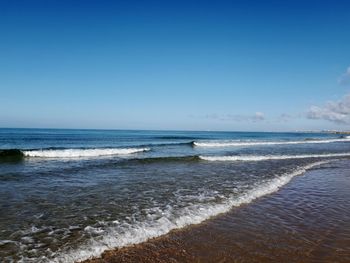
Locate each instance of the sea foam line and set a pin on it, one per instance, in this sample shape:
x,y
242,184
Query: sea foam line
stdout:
x,y
250,158
261,143
140,232
74,153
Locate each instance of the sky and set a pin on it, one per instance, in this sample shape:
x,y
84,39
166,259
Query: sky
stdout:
x,y
179,65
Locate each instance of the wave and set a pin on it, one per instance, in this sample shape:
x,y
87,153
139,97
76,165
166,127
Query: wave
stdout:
x,y
261,143
125,234
10,152
175,137
67,153
249,158
168,144
11,155
75,153
188,158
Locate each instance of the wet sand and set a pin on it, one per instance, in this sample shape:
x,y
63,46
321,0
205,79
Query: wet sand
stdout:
x,y
308,220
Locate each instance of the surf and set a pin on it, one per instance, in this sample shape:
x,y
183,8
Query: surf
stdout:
x,y
68,153
125,234
264,143
252,158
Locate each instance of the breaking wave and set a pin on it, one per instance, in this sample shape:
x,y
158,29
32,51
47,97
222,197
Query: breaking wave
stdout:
x,y
261,143
74,153
67,153
249,158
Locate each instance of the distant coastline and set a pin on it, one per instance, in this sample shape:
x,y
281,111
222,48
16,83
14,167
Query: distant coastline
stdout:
x,y
341,132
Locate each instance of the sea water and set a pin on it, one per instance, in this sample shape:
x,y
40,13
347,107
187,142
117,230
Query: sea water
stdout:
x,y
69,195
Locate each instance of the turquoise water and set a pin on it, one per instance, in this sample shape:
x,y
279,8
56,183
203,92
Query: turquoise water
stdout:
x,y
67,195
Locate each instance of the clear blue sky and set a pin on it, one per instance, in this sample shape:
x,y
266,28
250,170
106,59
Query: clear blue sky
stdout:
x,y
198,65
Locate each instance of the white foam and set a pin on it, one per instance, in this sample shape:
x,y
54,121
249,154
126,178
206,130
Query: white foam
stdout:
x,y
75,153
250,158
137,232
262,143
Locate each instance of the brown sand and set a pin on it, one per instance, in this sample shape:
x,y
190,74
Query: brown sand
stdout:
x,y
308,220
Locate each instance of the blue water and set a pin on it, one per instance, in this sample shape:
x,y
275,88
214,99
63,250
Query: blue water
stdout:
x,y
67,195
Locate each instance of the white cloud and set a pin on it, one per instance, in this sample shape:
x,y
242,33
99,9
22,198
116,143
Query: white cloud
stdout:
x,y
258,116
334,111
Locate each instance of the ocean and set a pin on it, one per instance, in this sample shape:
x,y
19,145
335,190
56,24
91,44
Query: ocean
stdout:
x,y
69,195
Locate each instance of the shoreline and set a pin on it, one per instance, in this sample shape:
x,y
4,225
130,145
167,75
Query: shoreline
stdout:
x,y
271,228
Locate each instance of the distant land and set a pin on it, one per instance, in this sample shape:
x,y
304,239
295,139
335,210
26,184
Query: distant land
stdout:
x,y
324,131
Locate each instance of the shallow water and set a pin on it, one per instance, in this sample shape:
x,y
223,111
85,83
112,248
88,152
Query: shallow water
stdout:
x,y
68,195
308,220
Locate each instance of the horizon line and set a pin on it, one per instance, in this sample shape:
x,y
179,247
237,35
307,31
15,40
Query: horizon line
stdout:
x,y
174,130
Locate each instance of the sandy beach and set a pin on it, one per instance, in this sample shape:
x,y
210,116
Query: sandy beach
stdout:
x,y
307,220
